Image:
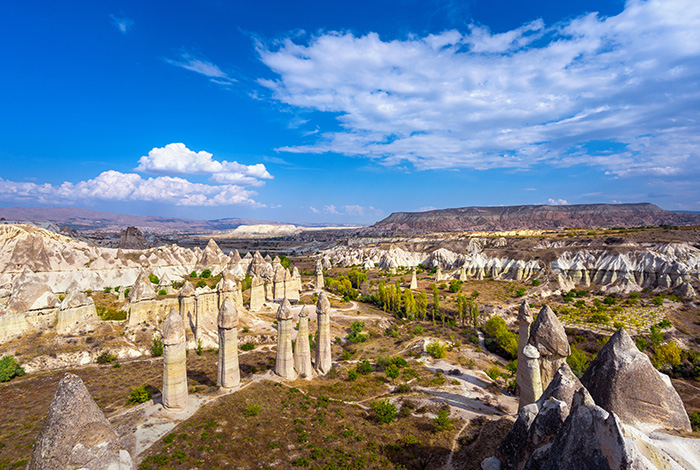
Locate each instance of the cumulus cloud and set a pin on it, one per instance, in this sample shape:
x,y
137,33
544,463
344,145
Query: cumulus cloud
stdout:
x,y
121,23
350,209
177,159
557,202
330,209
116,186
202,66
539,94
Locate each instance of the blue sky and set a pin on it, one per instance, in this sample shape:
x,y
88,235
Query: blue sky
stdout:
x,y
343,112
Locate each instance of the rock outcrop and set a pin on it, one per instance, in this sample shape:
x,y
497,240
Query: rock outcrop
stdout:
x,y
622,379
284,362
302,351
77,313
174,363
76,435
229,374
547,334
131,238
324,361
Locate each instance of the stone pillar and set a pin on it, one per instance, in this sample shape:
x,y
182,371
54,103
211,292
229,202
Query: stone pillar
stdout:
x,y
278,285
269,290
463,273
174,363
524,320
302,350
229,374
257,294
323,344
414,280
438,274
531,386
188,309
284,362
319,276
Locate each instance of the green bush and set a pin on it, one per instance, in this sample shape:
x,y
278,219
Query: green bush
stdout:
x,y
353,375
455,285
667,355
157,347
153,278
106,358
363,367
578,361
493,372
205,274
162,292
392,371
642,343
9,368
139,395
252,410
695,420
658,301
248,347
520,292
500,339
201,283
419,330
437,350
536,282
193,274
384,410
443,422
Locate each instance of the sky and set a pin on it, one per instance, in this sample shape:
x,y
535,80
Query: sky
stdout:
x,y
344,112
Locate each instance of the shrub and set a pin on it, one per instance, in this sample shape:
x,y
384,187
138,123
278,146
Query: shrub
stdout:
x,y
520,292
455,285
252,410
356,335
353,375
536,282
419,330
248,347
139,395
153,278
157,347
578,361
600,318
201,283
385,410
245,329
665,323
108,290
437,350
162,292
106,358
695,420
658,301
9,368
442,422
493,372
364,367
126,291
392,371
199,348
667,355
501,340
642,343
205,274
193,274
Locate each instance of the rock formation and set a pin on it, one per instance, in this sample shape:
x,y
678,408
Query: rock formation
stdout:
x,y
29,292
524,322
278,285
547,334
228,288
229,374
131,238
188,308
76,435
319,276
174,363
76,313
622,379
257,294
302,351
212,258
414,280
284,363
323,344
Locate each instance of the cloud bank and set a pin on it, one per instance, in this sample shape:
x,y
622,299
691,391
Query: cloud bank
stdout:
x,y
619,93
173,159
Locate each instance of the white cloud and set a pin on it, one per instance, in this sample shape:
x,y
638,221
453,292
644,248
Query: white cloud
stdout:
x,y
557,202
535,95
121,23
177,159
116,186
427,209
314,210
202,66
330,209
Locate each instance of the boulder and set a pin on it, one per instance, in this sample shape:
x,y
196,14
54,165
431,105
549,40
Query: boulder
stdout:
x,y
622,380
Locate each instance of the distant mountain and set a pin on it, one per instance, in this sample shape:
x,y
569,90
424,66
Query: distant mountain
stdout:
x,y
89,220
535,217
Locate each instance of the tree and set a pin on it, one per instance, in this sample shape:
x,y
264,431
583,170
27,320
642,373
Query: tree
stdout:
x,y
422,304
409,304
436,300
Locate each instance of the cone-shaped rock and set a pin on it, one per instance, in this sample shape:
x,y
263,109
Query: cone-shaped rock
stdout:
x,y
284,363
524,322
414,280
257,293
76,434
302,351
548,336
142,288
229,374
174,363
323,346
319,276
622,379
